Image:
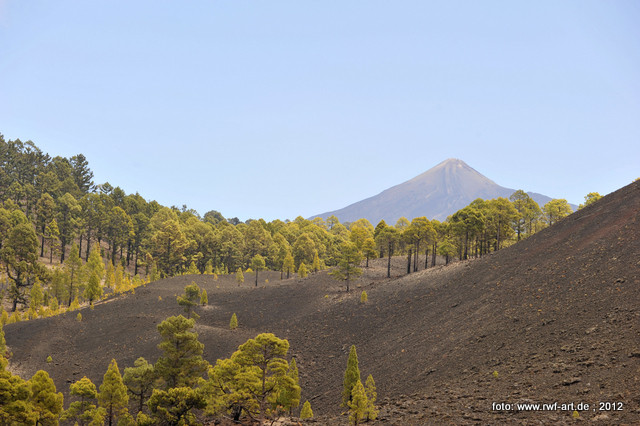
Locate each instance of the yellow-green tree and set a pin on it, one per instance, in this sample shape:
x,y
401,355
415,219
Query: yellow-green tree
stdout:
x,y
189,299
113,396
174,406
181,362
84,410
348,263
45,402
239,276
288,264
351,377
555,210
590,198
358,404
257,264
302,270
233,323
14,398
252,379
95,272
306,412
371,412
139,380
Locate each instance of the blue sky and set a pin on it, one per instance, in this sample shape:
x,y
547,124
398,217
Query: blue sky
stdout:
x,y
284,108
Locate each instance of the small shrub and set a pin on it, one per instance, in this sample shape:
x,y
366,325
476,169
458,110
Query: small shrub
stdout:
x,y
204,299
49,359
159,298
233,324
575,414
495,374
363,297
306,412
266,281
79,317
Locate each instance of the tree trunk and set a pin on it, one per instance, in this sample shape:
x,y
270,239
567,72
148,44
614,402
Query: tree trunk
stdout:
x,y
389,265
42,245
256,277
409,262
88,249
426,257
415,260
433,254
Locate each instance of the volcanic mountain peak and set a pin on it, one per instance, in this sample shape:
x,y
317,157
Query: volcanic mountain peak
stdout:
x,y
436,194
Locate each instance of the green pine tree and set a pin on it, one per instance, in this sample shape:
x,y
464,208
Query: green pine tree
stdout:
x,y
351,377
139,380
83,410
204,299
306,412
358,405
316,262
45,402
113,393
193,269
239,276
302,270
371,412
37,296
181,363
288,263
95,271
233,324
364,297
189,299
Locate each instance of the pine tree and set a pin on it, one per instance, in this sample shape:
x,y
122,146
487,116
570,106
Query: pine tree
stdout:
x,y
204,299
95,272
139,380
110,280
208,267
45,402
189,299
306,412
302,270
193,270
351,377
257,263
233,324
358,405
288,263
84,410
239,276
364,297
289,397
14,398
174,406
37,296
181,363
316,262
347,267
370,391
113,393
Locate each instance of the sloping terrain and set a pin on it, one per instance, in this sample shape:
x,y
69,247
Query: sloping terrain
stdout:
x,y
556,316
436,194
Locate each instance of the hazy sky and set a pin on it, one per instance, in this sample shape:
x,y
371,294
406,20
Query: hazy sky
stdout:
x,y
276,109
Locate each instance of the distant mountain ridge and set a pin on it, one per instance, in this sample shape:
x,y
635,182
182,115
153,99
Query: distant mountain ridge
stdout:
x,y
436,194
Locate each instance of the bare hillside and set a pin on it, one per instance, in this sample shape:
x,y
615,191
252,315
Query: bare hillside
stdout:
x,y
556,317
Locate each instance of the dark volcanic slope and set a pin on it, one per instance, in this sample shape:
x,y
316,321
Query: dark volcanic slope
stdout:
x,y
436,194
557,316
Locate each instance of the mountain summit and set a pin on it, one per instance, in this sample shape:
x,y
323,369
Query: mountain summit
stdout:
x,y
436,194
